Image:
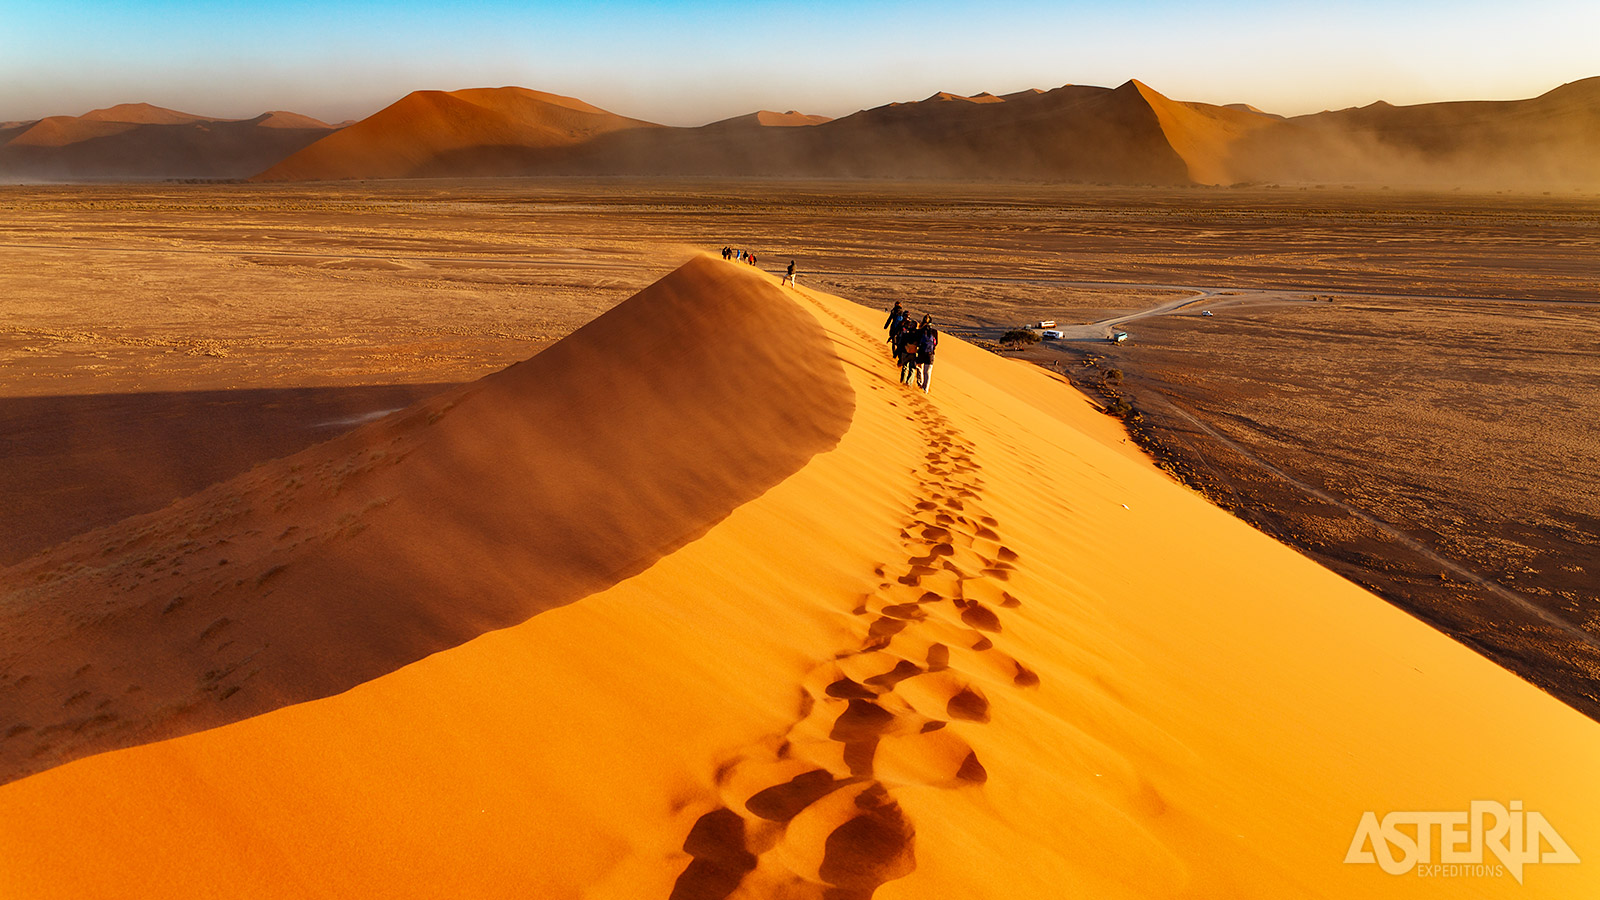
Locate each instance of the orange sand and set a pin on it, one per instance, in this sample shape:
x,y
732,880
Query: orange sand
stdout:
x,y
425,126
477,509
1143,697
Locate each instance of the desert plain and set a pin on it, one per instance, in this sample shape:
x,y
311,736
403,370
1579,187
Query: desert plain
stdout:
x,y
798,630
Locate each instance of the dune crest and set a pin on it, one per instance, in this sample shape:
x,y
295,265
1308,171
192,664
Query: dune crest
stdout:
x,y
281,119
410,137
494,502
974,648
1201,134
769,119
143,114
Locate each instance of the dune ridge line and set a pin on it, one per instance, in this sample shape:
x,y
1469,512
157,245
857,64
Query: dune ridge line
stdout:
x,y
474,510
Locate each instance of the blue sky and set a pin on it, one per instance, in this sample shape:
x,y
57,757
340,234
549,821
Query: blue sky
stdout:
x,y
688,63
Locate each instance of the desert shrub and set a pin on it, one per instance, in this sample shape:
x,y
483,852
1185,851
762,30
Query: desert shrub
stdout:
x,y
1119,407
1019,337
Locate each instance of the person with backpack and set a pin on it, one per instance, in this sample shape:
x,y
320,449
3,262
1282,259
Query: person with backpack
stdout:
x,y
897,314
909,343
927,339
898,324
788,277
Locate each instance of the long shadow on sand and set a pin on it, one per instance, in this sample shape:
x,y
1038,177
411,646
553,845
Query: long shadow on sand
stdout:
x,y
70,464
475,509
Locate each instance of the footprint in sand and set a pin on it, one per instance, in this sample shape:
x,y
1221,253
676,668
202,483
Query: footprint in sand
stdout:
x,y
811,813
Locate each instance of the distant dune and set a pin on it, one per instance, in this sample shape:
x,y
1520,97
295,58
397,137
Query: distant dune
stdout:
x,y
140,141
144,114
281,119
1552,138
771,119
1203,136
702,603
1131,134
1071,133
1128,135
1245,107
456,133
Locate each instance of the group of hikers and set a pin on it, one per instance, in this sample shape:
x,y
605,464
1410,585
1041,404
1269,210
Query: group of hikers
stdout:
x,y
913,343
734,255
745,256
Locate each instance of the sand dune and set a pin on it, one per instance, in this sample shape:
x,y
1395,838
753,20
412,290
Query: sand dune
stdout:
x,y
280,119
947,97
1245,107
137,140
1128,135
1131,134
1072,133
60,131
144,114
486,505
968,647
463,131
769,119
1203,135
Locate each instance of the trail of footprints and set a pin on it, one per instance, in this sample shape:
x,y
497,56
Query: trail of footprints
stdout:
x,y
810,813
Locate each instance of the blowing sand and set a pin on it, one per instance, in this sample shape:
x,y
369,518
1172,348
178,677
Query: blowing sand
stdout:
x,y
956,645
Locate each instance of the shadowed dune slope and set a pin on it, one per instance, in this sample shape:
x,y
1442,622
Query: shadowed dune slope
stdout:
x,y
406,138
60,131
1131,134
978,649
1202,134
1074,132
79,462
1071,133
475,510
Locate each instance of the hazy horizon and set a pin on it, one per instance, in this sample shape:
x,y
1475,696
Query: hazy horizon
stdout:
x,y
346,59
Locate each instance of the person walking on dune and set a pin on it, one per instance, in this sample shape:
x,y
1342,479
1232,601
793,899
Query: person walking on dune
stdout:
x,y
909,344
896,324
927,340
897,318
788,277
